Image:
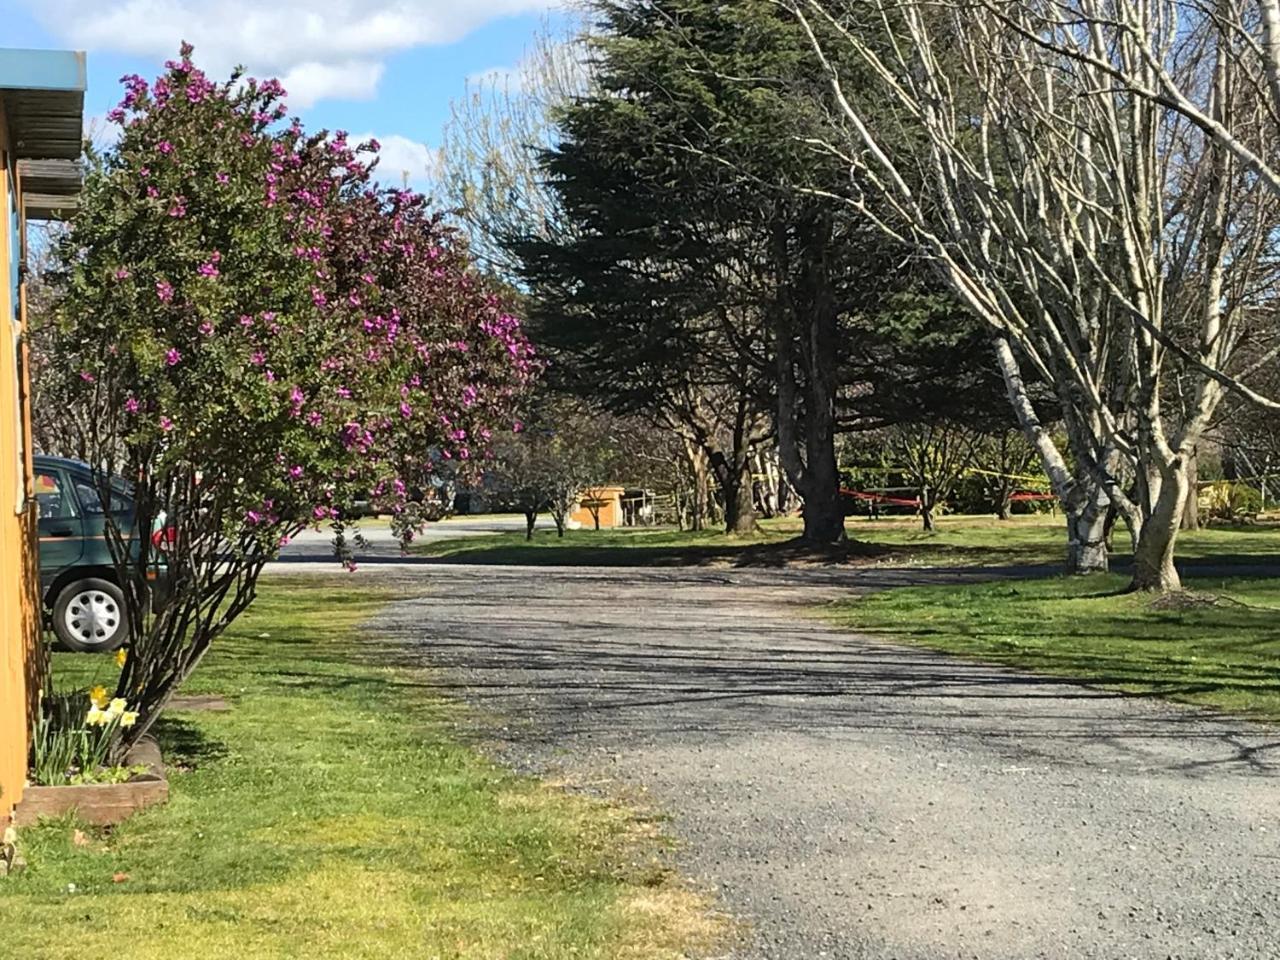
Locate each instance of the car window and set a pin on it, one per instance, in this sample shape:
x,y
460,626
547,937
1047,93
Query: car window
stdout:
x,y
92,503
52,496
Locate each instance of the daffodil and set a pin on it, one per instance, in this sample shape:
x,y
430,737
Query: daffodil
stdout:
x,y
117,706
128,718
98,696
121,656
96,717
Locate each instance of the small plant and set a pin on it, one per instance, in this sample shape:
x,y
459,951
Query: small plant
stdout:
x,y
75,736
1230,501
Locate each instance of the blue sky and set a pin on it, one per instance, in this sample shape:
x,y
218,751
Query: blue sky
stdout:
x,y
388,68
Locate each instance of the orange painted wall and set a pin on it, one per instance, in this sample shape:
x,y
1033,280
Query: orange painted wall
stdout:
x,y
20,653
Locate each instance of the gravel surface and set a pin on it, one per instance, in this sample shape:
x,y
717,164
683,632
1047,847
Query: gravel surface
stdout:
x,y
850,798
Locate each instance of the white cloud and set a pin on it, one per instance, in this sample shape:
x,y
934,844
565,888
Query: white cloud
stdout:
x,y
325,48
401,157
349,80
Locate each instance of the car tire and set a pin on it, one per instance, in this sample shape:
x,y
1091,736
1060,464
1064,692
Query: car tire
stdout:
x,y
89,616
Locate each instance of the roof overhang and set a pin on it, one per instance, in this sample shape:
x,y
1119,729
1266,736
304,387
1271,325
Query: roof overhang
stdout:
x,y
43,96
50,188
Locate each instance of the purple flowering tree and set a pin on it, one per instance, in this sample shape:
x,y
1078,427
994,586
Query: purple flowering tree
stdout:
x,y
255,333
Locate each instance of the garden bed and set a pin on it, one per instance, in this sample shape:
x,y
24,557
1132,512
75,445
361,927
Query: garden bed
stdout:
x,y
101,804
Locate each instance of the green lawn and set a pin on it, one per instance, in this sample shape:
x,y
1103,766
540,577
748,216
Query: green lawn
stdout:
x,y
1218,647
957,541
331,813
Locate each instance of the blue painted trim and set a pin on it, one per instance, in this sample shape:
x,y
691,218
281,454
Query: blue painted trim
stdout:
x,y
42,69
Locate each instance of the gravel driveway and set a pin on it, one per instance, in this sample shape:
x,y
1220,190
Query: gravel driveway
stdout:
x,y
850,798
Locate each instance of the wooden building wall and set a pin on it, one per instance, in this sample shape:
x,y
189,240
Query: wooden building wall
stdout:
x,y
20,653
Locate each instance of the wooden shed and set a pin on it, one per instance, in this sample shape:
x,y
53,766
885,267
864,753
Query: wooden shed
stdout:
x,y
41,127
605,500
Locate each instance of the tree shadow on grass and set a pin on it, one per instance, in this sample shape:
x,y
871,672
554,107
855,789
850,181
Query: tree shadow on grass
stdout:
x,y
184,745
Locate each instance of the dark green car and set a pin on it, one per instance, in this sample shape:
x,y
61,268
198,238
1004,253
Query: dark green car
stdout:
x,y
78,581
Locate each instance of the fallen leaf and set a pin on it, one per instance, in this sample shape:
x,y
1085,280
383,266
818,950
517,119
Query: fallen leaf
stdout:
x,y
79,839
119,877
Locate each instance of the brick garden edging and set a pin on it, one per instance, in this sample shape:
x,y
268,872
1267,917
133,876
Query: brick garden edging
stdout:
x,y
101,803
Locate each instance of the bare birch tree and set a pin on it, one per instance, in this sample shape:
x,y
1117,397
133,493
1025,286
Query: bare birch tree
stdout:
x,y
489,174
1112,239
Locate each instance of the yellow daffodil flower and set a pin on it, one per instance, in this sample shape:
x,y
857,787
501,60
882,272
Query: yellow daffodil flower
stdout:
x,y
117,706
121,656
98,696
128,718
96,717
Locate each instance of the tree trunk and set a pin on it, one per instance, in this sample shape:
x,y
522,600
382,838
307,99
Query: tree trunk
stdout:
x,y
1087,535
1153,569
739,501
530,518
699,468
1004,490
823,507
1191,506
926,518
559,519
1086,509
806,334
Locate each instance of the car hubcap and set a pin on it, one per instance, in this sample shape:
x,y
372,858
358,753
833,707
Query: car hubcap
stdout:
x,y
92,616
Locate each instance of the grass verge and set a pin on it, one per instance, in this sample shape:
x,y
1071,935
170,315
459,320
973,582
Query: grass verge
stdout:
x,y
1218,647
957,541
330,813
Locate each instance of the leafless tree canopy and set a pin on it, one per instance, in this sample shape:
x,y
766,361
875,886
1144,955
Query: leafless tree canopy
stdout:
x,y
1095,180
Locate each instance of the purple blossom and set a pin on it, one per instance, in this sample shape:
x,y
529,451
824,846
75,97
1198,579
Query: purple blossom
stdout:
x,y
135,89
222,178
164,290
87,377
206,328
121,273
173,357
116,115
164,146
131,405
166,424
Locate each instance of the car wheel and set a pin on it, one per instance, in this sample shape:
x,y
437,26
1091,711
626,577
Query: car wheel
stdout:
x,y
89,616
